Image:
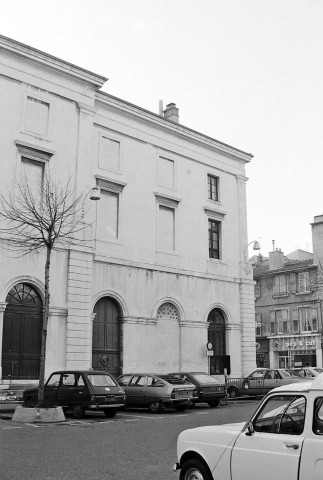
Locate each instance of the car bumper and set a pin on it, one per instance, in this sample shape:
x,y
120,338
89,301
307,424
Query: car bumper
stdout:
x,y
103,407
176,467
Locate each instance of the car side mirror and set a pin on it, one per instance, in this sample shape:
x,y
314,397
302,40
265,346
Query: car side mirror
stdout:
x,y
250,430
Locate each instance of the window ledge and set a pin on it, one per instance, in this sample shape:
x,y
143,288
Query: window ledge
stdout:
x,y
280,295
303,293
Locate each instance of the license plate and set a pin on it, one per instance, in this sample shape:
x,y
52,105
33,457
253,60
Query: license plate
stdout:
x,y
184,394
110,399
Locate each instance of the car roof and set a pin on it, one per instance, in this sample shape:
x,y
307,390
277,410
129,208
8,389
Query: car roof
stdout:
x,y
310,385
82,371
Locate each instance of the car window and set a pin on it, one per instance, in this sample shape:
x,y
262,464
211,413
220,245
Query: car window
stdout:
x,y
68,379
79,380
257,374
138,380
101,380
154,382
269,375
282,414
53,380
204,378
124,380
318,416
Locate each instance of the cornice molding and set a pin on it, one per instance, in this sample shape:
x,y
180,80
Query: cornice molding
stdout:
x,y
31,54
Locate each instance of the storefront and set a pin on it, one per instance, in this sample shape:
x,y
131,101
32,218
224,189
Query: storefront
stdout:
x,y
262,352
295,351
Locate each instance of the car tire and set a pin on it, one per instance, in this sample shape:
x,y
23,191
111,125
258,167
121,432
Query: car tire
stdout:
x,y
214,403
78,411
180,408
195,469
29,402
232,392
110,412
155,407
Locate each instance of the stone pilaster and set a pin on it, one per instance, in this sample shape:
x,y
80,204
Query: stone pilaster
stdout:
x,y
79,318
2,310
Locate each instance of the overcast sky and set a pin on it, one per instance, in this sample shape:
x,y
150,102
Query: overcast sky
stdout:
x,y
246,72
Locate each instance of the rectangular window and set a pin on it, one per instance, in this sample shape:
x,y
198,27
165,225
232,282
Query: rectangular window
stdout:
x,y
257,289
166,172
280,285
32,174
109,158
282,321
295,319
213,188
258,325
214,238
303,283
166,228
308,319
37,115
108,216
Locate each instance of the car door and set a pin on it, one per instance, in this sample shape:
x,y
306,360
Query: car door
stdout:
x,y
66,389
272,379
51,388
273,450
135,391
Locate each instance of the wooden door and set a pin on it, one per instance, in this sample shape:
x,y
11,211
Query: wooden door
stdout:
x,y
22,326
216,336
106,336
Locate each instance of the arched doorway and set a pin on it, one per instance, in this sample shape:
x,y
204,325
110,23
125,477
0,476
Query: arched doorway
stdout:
x,y
106,341
22,329
216,336
167,349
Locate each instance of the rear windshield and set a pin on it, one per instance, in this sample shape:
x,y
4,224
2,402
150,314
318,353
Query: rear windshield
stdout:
x,y
204,378
174,380
103,380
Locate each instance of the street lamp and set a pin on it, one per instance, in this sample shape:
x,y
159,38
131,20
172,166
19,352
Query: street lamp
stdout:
x,y
256,246
95,194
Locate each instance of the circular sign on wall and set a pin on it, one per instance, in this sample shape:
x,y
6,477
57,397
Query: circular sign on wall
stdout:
x,y
209,346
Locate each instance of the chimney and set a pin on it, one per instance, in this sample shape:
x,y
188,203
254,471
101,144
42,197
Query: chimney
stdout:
x,y
171,112
276,259
317,238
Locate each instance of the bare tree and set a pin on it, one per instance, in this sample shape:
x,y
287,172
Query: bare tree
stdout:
x,y
36,219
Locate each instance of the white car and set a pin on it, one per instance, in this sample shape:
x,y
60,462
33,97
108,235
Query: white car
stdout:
x,y
283,440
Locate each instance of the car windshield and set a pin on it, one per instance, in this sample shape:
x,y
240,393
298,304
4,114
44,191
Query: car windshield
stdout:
x,y
204,378
101,380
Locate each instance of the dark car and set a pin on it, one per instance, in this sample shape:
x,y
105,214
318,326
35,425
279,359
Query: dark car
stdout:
x,y
78,391
209,390
156,391
260,382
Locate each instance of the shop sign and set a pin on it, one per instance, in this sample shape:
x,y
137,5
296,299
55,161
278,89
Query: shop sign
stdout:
x,y
301,343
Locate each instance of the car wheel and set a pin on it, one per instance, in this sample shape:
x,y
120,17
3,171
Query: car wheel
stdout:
x,y
214,403
110,412
180,408
29,402
78,411
195,469
232,392
155,407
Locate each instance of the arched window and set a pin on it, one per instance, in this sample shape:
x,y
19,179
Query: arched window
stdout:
x,y
216,336
167,310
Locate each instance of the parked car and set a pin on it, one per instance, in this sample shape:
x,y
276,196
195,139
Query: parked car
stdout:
x,y
260,382
282,440
156,391
209,390
78,391
307,372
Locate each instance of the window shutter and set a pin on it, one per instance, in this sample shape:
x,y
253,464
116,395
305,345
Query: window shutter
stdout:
x,y
314,319
292,281
272,322
295,320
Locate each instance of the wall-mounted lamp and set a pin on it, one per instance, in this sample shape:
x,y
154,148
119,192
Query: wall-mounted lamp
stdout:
x,y
256,246
94,193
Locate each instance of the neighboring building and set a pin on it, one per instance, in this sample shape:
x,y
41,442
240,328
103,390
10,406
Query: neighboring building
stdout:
x,y
163,271
288,299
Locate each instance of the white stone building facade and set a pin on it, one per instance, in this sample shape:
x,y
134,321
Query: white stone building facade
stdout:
x,y
163,269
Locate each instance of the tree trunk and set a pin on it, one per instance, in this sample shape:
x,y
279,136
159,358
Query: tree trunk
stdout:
x,y
44,330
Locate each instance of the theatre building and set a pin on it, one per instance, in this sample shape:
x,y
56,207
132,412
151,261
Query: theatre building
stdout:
x,y
162,271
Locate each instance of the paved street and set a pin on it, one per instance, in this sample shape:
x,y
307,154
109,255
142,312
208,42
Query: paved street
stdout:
x,y
135,445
